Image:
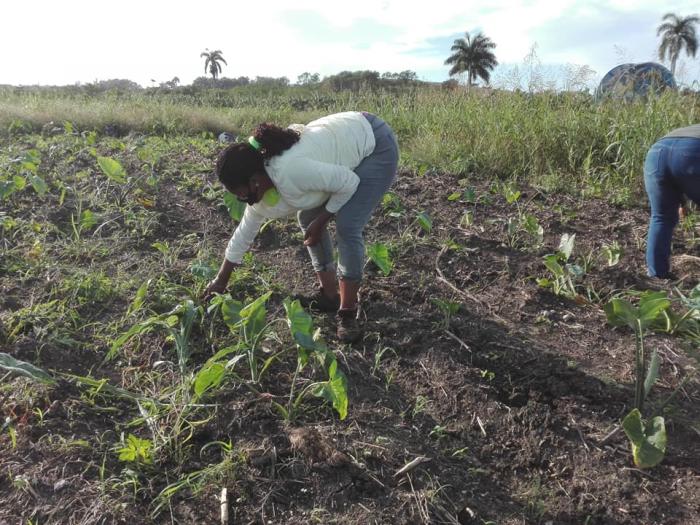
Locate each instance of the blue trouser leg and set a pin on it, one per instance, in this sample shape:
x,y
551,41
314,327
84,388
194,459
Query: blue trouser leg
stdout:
x,y
671,169
376,173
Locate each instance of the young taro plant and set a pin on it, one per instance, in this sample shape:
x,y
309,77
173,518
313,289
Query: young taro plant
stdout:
x,y
248,322
310,344
564,274
648,438
524,228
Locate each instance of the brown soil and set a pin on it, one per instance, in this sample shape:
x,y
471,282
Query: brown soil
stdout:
x,y
508,400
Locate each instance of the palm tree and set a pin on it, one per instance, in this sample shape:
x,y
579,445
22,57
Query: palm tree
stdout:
x,y
677,33
211,64
473,55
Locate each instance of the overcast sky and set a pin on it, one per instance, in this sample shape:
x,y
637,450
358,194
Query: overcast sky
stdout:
x,y
69,41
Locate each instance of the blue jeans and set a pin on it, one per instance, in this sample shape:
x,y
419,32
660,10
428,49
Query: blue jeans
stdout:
x,y
376,172
671,170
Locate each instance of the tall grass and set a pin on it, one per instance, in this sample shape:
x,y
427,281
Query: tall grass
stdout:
x,y
558,141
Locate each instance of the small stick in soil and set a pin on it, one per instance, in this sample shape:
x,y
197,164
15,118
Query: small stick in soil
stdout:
x,y
481,425
411,465
461,343
224,506
610,435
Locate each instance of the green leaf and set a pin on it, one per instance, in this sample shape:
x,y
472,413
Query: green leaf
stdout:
x,y
8,187
68,127
335,390
652,372
300,324
648,439
87,220
512,196
136,449
162,247
620,313
202,270
425,222
231,312
551,262
209,377
235,208
470,195
253,316
20,182
112,168
454,196
651,305
24,369
378,253
271,197
139,299
39,185
566,245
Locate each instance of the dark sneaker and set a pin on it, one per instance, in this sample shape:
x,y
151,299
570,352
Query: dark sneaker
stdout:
x,y
320,302
349,329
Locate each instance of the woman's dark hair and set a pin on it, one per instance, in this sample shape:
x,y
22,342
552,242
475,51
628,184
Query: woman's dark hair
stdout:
x,y
239,162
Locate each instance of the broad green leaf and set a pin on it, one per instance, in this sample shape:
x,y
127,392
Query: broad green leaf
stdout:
x,y
271,197
652,372
231,312
620,312
8,187
20,182
24,369
566,245
651,305
222,353
235,208
575,270
551,262
209,377
378,253
454,196
112,168
300,324
335,390
648,439
39,185
68,127
162,247
253,316
202,270
512,196
425,221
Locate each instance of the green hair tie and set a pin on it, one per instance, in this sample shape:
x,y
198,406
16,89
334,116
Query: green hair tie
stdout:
x,y
254,143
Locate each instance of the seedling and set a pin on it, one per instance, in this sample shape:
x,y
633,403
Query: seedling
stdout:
x,y
392,205
448,309
378,253
309,343
612,253
564,275
648,439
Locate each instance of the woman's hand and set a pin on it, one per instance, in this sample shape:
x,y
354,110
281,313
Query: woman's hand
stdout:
x,y
313,233
315,229
216,286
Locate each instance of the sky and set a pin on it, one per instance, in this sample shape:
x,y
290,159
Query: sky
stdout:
x,y
58,42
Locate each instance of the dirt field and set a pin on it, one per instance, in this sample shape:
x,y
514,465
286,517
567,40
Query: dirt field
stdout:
x,y
507,396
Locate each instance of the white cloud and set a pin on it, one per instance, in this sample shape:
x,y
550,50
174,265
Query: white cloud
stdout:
x,y
75,40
